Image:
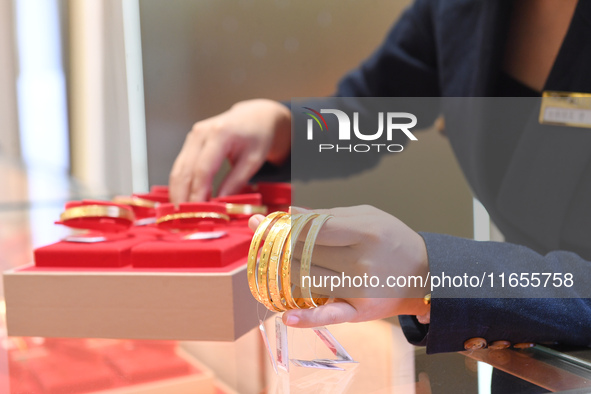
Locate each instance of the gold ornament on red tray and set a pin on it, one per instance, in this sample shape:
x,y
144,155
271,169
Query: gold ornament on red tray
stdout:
x,y
97,215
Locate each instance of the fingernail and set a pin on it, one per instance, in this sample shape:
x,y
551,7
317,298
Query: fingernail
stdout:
x,y
291,320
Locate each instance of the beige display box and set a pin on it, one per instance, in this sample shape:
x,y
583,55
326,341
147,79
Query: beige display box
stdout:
x,y
202,305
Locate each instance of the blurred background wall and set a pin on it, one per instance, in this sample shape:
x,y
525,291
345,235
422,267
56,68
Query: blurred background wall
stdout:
x,y
9,136
63,98
202,56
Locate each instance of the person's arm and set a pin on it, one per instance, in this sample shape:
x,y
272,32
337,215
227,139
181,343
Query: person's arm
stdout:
x,y
247,134
363,240
255,131
400,76
520,319
405,65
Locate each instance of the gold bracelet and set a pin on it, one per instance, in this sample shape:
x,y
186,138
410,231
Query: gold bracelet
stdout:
x,y
319,299
135,201
282,232
268,263
245,209
192,215
97,211
307,257
297,297
251,268
298,223
285,271
427,299
276,264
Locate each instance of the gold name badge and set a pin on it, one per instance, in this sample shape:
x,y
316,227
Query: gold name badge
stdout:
x,y
566,109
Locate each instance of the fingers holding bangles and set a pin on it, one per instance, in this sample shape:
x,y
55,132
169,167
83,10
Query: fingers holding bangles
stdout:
x,y
269,274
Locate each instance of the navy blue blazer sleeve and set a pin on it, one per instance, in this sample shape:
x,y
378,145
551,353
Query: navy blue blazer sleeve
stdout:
x,y
537,320
405,65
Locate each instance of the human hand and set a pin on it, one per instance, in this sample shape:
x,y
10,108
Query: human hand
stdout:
x,y
359,241
247,134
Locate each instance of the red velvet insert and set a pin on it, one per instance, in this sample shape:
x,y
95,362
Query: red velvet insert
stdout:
x,y
159,190
158,194
110,253
249,198
143,212
175,252
276,196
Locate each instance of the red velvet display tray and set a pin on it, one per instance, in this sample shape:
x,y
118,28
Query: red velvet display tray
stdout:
x,y
129,270
144,282
148,247
88,365
112,253
174,252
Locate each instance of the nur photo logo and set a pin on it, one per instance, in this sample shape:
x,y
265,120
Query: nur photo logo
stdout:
x,y
388,124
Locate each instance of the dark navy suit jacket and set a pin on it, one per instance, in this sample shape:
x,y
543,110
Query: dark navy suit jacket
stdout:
x,y
454,48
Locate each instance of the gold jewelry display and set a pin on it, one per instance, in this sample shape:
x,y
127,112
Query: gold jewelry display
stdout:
x,y
193,215
269,275
245,209
135,201
97,211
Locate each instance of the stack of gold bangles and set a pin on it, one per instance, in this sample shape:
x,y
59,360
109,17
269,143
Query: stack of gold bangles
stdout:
x,y
269,275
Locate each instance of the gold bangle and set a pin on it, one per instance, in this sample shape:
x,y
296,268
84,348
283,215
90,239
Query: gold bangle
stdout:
x,y
269,277
276,261
298,298
251,268
135,201
285,270
298,223
320,299
245,209
268,263
307,257
192,215
97,211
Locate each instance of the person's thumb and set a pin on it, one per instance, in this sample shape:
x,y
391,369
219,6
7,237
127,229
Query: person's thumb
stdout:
x,y
255,221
